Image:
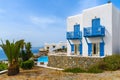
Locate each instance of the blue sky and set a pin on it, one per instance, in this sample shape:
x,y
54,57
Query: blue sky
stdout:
x,y
40,21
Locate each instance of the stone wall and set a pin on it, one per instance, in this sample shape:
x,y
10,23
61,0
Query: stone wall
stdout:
x,y
71,61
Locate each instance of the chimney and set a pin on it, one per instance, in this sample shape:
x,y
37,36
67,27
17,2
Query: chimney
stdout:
x,y
109,1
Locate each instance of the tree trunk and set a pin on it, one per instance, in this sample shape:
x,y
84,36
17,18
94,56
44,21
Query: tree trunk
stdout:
x,y
13,69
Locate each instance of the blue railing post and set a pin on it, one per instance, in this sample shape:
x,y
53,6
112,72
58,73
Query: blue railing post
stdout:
x,y
74,35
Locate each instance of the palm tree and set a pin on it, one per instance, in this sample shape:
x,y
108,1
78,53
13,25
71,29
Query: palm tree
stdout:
x,y
12,51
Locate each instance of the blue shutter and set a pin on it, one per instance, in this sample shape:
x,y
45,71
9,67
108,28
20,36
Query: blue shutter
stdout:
x,y
102,49
72,47
89,49
80,49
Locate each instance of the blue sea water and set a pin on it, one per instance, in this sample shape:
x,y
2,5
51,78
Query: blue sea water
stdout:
x,y
35,50
2,55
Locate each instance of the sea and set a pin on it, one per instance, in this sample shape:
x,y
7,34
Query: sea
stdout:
x,y
35,50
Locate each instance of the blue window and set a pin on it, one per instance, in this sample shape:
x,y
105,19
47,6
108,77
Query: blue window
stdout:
x,y
80,49
89,49
102,49
63,47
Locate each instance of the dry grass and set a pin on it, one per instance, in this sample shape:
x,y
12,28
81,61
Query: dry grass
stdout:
x,y
38,73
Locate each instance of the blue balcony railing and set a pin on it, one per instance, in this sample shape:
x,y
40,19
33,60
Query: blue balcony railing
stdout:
x,y
74,35
94,32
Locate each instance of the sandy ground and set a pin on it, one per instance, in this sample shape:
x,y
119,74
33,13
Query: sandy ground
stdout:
x,y
38,73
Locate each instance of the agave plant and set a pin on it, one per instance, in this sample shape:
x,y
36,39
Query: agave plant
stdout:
x,y
12,51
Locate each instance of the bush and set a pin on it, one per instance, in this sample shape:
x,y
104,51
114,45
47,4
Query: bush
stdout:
x,y
3,66
94,69
109,63
74,70
112,62
27,64
102,65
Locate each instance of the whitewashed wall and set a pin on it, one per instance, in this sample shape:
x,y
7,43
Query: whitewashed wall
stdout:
x,y
115,30
57,46
71,21
103,12
110,19
119,32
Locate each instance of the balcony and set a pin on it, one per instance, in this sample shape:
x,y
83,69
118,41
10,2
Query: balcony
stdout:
x,y
74,35
94,32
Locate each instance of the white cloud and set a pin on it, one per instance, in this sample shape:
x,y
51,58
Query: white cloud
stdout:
x,y
41,20
44,22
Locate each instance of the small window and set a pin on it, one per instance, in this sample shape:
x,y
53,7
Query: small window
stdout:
x,y
63,47
47,47
53,46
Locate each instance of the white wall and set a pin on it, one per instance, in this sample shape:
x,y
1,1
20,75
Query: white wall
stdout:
x,y
119,33
115,30
57,46
103,12
71,21
109,19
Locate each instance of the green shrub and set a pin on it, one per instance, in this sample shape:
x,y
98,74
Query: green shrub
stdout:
x,y
3,66
95,69
112,62
92,69
75,70
27,64
102,65
109,63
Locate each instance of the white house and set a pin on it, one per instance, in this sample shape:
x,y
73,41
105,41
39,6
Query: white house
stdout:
x,y
94,32
53,46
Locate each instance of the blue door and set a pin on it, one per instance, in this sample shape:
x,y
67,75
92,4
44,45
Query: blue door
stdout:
x,y
102,49
80,49
95,25
89,49
96,22
72,47
76,31
76,28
